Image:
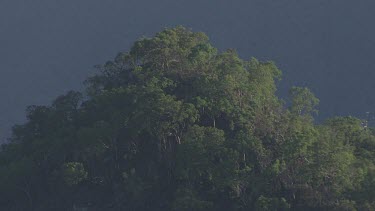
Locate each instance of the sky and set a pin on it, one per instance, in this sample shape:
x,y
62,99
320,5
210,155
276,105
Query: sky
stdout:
x,y
48,47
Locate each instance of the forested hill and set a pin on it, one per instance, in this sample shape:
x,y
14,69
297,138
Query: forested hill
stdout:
x,y
173,124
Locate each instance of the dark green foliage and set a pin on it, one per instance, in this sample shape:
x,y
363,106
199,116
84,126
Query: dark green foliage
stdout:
x,y
73,173
173,124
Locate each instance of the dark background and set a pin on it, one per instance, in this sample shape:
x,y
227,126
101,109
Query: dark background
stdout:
x,y
49,47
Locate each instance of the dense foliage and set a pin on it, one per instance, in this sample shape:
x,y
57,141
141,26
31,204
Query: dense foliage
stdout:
x,y
176,125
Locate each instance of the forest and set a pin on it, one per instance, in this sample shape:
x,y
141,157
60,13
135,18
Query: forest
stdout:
x,y
175,124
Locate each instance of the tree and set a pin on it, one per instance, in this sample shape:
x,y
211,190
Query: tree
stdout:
x,y
175,124
303,101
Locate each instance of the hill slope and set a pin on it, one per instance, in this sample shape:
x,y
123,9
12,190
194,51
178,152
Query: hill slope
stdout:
x,y
173,124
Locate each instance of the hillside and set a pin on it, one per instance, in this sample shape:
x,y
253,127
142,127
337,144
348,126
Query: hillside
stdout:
x,y
174,124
